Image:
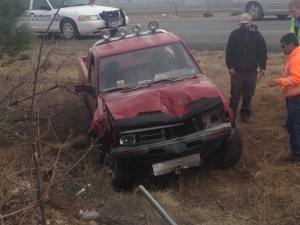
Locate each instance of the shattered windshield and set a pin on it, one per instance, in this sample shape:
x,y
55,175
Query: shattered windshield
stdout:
x,y
68,3
144,67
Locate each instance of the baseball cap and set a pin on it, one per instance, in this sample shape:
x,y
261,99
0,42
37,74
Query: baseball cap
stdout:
x,y
245,18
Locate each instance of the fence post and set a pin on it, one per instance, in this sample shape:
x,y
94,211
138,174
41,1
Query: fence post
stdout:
x,y
176,9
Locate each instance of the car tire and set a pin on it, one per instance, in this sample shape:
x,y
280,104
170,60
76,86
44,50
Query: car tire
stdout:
x,y
103,151
69,29
230,152
255,10
121,176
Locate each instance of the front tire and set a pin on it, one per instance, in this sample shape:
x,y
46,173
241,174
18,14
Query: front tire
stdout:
x,y
230,152
255,10
121,176
69,29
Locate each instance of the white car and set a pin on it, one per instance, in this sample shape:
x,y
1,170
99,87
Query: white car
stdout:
x,y
260,8
75,17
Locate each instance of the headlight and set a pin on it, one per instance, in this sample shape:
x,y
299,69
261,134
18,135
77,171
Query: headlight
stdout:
x,y
212,118
88,18
128,139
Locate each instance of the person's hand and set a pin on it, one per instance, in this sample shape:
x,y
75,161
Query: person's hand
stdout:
x,y
231,72
273,81
262,73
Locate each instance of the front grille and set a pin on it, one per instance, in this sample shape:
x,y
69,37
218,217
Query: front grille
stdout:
x,y
151,135
110,15
186,127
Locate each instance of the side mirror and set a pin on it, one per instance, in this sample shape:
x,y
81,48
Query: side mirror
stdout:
x,y
89,89
79,88
85,88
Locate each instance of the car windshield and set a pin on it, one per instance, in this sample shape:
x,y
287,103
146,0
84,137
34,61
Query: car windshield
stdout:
x,y
144,67
67,3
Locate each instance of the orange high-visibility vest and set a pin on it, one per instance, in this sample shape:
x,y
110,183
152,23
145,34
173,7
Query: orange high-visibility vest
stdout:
x,y
290,83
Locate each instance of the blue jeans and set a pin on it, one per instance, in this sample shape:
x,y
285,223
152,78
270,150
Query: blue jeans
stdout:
x,y
293,124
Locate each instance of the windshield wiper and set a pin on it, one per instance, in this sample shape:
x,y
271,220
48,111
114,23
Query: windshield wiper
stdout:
x,y
166,80
80,4
128,87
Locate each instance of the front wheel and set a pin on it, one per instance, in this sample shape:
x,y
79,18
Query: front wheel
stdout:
x,y
121,176
230,152
69,29
255,10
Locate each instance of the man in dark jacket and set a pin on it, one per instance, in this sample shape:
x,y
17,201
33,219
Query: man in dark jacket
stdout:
x,y
245,52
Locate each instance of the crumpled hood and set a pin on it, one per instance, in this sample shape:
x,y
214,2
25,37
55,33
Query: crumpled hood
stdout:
x,y
86,10
171,98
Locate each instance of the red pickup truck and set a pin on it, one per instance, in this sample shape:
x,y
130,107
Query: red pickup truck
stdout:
x,y
152,108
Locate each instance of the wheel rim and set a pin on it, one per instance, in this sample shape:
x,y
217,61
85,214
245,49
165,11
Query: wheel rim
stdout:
x,y
68,30
254,11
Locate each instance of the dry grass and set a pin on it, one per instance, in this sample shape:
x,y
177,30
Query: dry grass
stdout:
x,y
260,189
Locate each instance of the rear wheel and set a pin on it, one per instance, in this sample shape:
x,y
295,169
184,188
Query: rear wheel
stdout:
x,y
255,10
69,29
230,152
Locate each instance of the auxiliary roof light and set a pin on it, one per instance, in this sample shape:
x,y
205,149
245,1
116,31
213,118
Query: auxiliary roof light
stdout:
x,y
136,28
153,25
122,31
105,34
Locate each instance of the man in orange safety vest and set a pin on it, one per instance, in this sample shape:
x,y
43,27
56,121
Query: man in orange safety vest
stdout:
x,y
290,84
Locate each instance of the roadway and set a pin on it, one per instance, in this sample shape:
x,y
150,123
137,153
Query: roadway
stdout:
x,y
209,33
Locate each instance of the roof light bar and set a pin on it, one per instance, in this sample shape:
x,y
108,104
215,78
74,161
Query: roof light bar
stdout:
x,y
136,28
153,25
122,31
105,34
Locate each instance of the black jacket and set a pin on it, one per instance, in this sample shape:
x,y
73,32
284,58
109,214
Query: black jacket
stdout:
x,y
246,50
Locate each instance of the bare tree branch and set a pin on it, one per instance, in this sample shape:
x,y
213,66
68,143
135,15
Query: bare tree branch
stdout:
x,y
36,94
34,147
16,135
18,211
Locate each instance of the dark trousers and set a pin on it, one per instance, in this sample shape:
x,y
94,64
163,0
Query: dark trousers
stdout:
x,y
293,124
242,84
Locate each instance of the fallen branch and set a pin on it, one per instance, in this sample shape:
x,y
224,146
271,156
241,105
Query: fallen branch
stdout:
x,y
16,135
18,211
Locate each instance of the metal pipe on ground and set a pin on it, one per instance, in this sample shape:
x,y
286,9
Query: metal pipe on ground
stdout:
x,y
154,203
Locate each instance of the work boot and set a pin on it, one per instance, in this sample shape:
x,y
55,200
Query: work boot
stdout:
x,y
247,119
